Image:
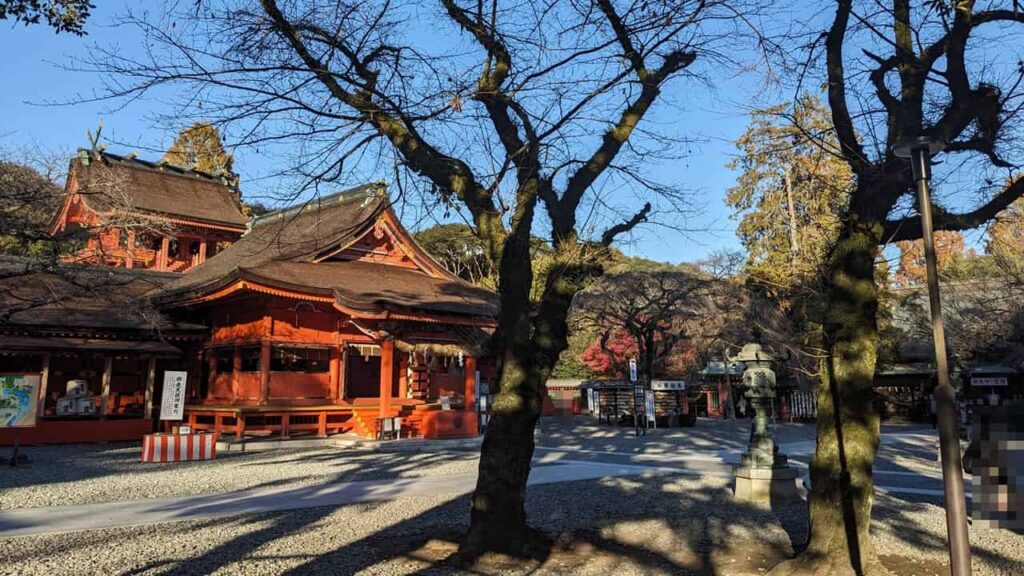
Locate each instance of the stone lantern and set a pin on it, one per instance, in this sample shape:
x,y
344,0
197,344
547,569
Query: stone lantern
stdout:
x,y
763,476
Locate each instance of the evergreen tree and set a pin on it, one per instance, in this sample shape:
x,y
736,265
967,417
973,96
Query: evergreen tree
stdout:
x,y
27,202
788,196
199,147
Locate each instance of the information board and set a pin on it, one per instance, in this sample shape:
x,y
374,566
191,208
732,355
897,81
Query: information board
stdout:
x,y
172,403
639,402
989,381
632,369
19,399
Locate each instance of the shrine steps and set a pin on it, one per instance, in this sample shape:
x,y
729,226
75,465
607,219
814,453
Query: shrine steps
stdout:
x,y
364,420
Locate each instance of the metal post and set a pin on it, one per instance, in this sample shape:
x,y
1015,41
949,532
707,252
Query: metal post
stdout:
x,y
945,396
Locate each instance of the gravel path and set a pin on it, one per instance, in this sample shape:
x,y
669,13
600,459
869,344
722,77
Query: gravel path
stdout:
x,y
657,525
86,474
661,524
671,525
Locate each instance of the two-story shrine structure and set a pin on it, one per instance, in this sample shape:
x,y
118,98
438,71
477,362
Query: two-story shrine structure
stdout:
x,y
139,214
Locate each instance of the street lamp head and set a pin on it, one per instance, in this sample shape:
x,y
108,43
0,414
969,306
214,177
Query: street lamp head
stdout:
x,y
920,150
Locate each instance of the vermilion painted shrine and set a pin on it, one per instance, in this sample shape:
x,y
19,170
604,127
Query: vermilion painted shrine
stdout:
x,y
320,318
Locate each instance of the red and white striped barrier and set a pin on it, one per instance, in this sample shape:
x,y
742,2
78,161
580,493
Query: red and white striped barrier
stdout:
x,y
178,447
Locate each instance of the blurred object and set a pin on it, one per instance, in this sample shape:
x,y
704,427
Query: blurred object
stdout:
x,y
996,458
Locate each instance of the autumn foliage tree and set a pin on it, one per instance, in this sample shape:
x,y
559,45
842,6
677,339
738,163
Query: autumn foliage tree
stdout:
x,y
199,147
646,315
949,247
1006,240
60,15
608,356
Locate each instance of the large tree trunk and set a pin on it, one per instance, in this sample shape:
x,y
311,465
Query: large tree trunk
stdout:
x,y
526,348
847,424
498,514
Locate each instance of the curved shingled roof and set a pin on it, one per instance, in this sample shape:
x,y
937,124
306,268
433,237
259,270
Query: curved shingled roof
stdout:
x,y
160,189
286,249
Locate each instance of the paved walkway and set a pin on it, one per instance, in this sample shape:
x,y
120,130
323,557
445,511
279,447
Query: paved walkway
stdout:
x,y
54,519
553,463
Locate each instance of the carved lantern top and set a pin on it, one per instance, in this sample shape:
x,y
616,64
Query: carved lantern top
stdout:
x,y
754,353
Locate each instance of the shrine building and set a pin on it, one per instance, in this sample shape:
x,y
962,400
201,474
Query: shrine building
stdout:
x,y
140,214
317,319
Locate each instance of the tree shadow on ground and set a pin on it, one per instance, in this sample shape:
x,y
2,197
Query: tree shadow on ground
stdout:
x,y
656,524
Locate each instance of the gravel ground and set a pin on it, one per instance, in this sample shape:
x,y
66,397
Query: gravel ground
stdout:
x,y
659,524
663,524
86,474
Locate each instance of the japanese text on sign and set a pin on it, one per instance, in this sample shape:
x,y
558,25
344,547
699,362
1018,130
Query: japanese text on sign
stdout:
x,y
172,404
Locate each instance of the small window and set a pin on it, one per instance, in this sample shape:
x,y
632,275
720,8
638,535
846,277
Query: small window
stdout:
x,y
251,359
308,360
225,358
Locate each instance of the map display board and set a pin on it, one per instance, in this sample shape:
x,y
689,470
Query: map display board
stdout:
x,y
19,399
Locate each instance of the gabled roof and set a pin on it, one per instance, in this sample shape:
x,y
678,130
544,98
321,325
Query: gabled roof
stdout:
x,y
299,250
155,189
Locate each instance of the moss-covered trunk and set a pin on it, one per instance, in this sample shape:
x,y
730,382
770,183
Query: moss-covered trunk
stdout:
x,y
847,424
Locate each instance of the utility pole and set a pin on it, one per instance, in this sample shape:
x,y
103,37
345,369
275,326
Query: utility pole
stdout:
x,y
919,150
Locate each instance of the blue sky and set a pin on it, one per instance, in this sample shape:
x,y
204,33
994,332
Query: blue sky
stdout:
x,y
31,69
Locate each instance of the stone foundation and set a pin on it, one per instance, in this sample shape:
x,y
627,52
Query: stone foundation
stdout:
x,y
766,487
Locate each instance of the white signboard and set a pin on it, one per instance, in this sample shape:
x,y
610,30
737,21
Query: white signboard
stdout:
x,y
632,369
172,404
594,402
668,384
995,381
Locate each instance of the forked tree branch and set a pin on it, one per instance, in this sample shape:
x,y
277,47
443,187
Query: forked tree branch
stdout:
x,y
449,174
613,232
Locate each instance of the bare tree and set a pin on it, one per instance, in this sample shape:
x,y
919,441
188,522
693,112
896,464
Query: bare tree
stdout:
x,y
898,70
529,113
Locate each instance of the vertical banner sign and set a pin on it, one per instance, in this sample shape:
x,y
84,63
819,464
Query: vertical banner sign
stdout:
x,y
595,408
639,405
649,405
632,369
172,404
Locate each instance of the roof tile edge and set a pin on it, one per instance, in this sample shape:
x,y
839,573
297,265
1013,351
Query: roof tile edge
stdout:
x,y
369,191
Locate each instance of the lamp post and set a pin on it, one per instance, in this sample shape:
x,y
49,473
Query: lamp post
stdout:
x,y
920,150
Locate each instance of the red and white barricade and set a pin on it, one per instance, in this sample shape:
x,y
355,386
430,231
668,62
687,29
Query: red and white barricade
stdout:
x,y
178,447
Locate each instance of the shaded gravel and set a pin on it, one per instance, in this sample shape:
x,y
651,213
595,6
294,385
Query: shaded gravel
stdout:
x,y
86,474
622,526
656,525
